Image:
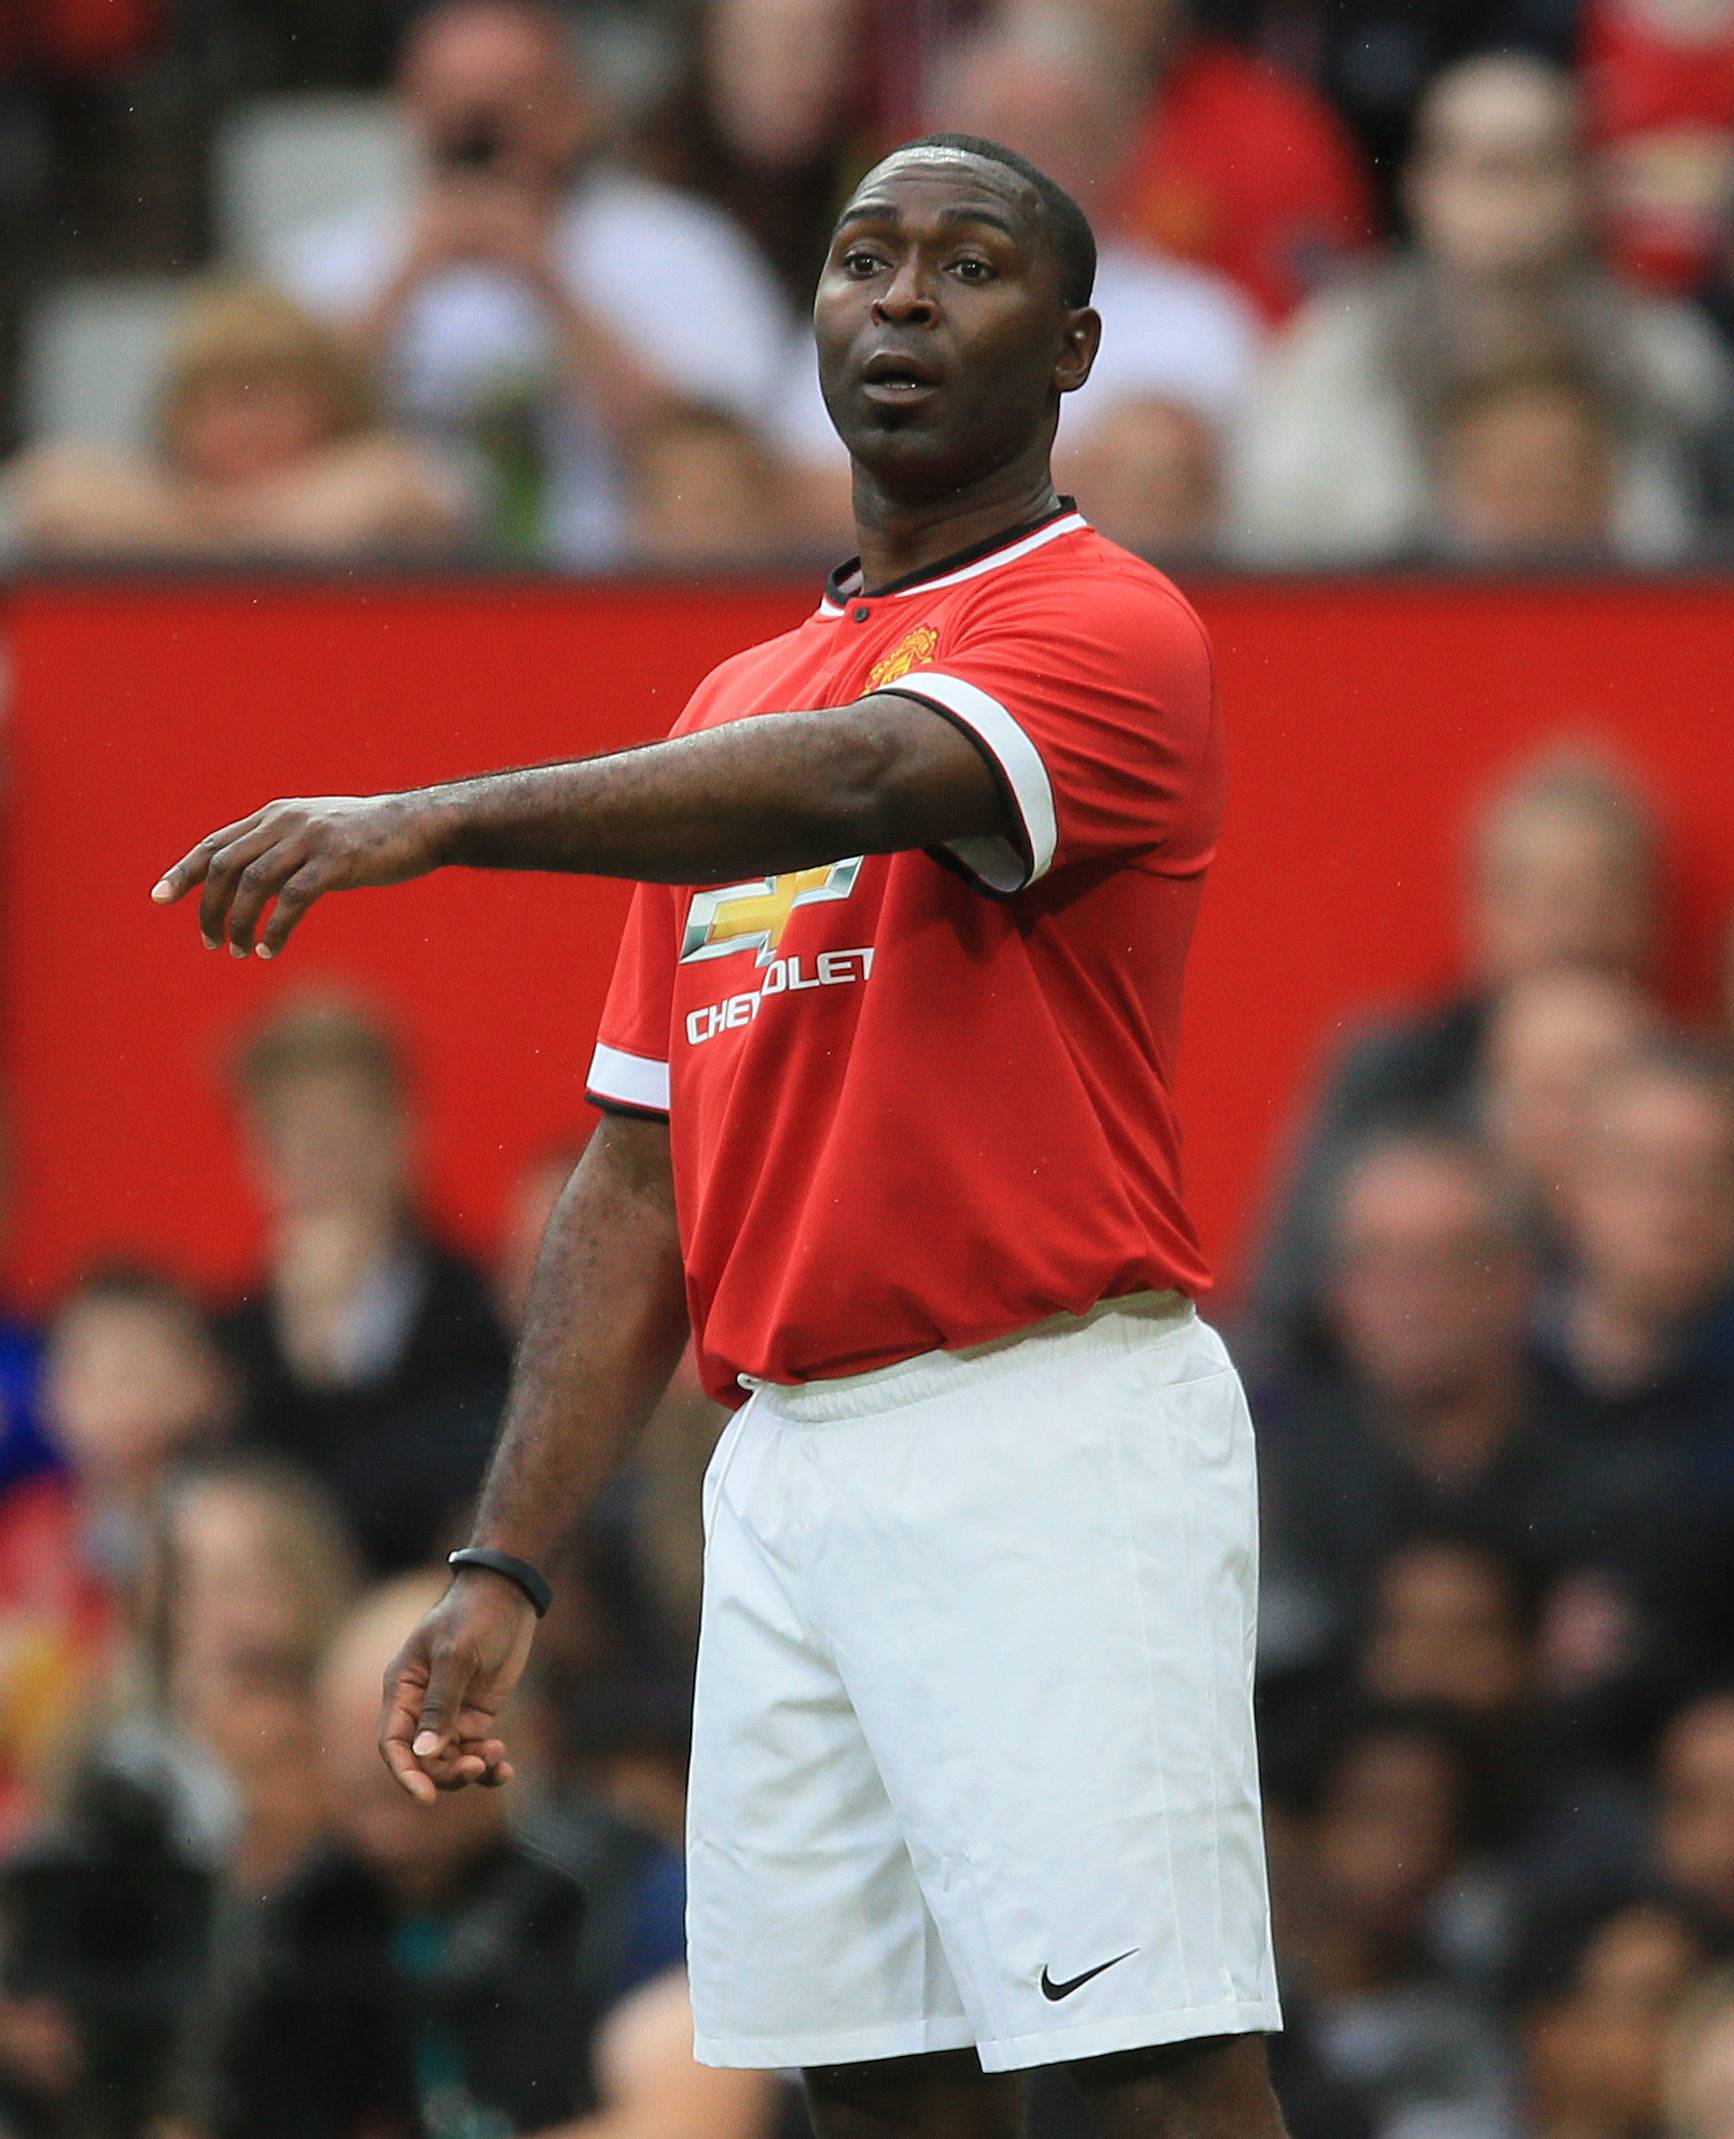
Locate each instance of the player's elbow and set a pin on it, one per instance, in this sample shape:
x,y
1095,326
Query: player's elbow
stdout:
x,y
906,780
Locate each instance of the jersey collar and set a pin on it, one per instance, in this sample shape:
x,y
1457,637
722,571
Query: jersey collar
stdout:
x,y
844,585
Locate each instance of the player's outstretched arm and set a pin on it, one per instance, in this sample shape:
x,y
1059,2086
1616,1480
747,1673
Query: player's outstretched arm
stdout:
x,y
603,1332
747,799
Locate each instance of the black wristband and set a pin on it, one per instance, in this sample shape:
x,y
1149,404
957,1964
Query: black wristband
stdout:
x,y
518,1572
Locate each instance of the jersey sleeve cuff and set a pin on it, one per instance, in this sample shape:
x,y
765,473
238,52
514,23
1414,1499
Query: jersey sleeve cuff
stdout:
x,y
999,864
628,1083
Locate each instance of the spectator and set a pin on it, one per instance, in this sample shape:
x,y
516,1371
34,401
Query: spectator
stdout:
x,y
1150,470
1565,871
704,493
1460,1628
1635,1340
773,121
534,299
1526,471
1143,444
1236,166
1431,1415
23,1451
1337,454
253,1572
370,1351
1659,100
269,446
1041,83
1699,2065
1594,2020
1550,1038
132,1380
1634,1347
1695,1813
1385,1839
432,1970
1452,1627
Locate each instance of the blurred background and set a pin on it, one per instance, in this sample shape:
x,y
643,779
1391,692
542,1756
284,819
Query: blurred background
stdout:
x,y
389,391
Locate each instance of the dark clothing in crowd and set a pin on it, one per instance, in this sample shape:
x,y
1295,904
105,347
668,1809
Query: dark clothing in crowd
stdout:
x,y
1657,1461
1399,1074
356,2019
402,1450
1339,1492
23,1451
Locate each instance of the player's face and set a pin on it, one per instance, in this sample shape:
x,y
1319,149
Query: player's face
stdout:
x,y
944,344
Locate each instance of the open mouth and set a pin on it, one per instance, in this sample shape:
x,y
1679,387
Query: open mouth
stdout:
x,y
893,378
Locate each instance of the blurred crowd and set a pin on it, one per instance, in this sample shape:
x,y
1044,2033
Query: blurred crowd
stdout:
x,y
1489,1335
1384,282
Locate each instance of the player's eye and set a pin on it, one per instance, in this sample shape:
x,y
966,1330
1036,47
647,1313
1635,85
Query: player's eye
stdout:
x,y
970,269
858,262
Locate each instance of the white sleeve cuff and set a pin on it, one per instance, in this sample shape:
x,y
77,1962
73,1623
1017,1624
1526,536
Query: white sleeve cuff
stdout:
x,y
997,862
619,1079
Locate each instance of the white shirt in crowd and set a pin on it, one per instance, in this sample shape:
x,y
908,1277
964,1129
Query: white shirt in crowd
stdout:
x,y
672,276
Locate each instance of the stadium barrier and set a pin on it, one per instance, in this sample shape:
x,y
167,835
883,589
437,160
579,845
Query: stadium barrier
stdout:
x,y
1365,718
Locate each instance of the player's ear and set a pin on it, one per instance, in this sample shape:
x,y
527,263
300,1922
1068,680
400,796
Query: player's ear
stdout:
x,y
1082,338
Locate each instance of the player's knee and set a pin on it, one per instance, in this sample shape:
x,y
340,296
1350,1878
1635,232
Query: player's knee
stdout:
x,y
940,2095
1216,2088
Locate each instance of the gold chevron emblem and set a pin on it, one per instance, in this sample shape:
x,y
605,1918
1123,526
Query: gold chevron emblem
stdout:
x,y
752,917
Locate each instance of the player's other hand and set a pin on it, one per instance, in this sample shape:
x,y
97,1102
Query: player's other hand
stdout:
x,y
444,1689
294,853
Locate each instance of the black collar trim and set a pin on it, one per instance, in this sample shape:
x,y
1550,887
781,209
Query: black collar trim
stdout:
x,y
844,585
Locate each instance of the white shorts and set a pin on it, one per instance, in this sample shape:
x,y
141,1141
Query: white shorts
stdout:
x,y
973,1756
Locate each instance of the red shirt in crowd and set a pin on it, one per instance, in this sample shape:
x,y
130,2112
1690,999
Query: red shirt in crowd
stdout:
x,y
921,1100
1658,81
1243,169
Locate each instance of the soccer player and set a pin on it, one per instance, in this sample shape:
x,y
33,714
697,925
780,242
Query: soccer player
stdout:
x,y
886,1076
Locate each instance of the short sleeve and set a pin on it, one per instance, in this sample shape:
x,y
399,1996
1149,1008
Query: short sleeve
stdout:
x,y
1094,703
629,1070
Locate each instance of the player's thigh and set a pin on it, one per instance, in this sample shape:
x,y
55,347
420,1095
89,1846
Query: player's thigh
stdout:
x,y
1218,2088
1046,1634
943,2096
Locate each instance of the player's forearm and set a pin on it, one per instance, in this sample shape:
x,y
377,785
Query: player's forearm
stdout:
x,y
751,798
747,799
603,1331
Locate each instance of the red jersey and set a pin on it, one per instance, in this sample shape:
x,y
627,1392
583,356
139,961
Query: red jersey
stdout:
x,y
921,1100
1658,85
1245,170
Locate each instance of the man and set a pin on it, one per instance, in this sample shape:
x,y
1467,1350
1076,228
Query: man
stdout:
x,y
973,1764
1566,873
1048,85
423,1976
532,301
1338,455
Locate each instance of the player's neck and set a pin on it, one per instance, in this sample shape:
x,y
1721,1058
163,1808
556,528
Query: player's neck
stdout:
x,y
898,537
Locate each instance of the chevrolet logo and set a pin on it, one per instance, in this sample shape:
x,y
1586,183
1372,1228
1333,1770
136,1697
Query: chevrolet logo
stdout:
x,y
752,917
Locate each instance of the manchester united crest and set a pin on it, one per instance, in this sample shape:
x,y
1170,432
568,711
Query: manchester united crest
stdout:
x,y
913,652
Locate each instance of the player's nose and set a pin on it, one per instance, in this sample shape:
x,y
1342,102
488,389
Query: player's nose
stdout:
x,y
908,298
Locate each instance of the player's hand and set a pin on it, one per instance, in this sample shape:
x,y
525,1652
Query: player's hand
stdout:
x,y
295,852
446,1686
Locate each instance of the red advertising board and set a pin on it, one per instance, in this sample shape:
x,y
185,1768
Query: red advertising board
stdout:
x,y
1365,720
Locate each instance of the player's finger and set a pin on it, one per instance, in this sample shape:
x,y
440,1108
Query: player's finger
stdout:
x,y
257,884
175,883
438,1734
223,876
398,1727
293,900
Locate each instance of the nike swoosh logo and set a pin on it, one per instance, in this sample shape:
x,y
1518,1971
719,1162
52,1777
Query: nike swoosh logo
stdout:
x,y
1054,1992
